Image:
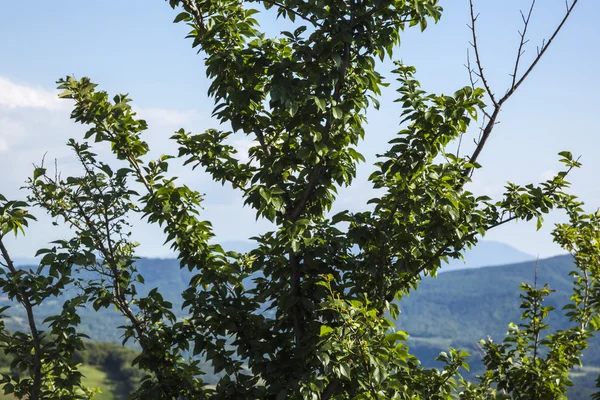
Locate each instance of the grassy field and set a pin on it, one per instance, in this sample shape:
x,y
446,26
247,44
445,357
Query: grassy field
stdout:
x,y
94,378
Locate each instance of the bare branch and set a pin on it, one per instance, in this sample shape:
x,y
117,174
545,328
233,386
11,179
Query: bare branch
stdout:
x,y
485,134
477,57
541,52
470,70
460,138
516,81
474,83
522,42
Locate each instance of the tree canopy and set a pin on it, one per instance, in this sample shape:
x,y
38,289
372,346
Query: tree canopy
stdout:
x,y
306,314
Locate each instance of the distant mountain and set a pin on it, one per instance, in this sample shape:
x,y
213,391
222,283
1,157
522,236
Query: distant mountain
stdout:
x,y
241,246
22,261
488,253
458,308
471,304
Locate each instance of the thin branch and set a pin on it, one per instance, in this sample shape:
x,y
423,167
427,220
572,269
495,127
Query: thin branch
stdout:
x,y
460,138
586,297
390,296
522,43
487,131
110,251
396,23
477,57
263,143
536,305
485,134
37,341
474,83
444,248
543,49
470,70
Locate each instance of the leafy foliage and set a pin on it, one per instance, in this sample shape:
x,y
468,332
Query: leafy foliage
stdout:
x,y
327,280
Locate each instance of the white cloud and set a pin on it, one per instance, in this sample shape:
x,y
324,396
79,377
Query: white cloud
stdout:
x,y
547,175
13,95
243,147
164,117
11,131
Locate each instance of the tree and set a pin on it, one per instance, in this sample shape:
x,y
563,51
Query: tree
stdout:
x,y
313,323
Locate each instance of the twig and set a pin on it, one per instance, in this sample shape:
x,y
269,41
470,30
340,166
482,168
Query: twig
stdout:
x,y
522,42
373,10
261,140
441,251
474,81
460,138
487,130
470,70
477,57
542,50
485,134
444,248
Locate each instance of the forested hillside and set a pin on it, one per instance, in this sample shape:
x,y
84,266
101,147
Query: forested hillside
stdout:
x,y
105,367
458,308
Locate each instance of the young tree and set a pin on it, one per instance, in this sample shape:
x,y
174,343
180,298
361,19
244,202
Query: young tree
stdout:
x,y
313,322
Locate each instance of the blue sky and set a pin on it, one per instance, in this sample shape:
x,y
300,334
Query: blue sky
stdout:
x,y
133,47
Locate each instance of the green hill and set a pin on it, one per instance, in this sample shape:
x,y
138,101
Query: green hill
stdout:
x,y
471,304
105,367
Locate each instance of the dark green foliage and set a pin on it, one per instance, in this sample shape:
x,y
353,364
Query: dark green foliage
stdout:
x,y
326,282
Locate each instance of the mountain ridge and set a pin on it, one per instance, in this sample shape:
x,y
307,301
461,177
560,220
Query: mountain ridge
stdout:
x,y
456,309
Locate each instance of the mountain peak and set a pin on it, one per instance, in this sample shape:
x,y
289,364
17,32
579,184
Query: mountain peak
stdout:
x,y
488,253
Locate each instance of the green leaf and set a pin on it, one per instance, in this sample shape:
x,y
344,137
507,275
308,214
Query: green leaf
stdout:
x,y
325,330
320,103
337,113
38,172
182,16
